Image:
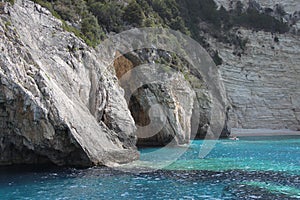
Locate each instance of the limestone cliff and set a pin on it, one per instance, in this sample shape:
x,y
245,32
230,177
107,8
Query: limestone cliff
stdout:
x,y
63,102
55,94
171,121
168,79
262,84
186,97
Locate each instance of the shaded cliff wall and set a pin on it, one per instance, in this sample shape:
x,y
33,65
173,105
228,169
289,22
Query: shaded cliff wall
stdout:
x,y
289,5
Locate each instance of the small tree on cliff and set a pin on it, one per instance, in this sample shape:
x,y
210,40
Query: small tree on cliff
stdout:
x,y
134,14
91,29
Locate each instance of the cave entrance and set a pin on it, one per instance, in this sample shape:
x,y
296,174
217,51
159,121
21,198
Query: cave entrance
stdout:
x,y
177,98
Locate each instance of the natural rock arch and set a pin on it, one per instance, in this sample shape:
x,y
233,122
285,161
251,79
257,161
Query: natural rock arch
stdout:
x,y
126,44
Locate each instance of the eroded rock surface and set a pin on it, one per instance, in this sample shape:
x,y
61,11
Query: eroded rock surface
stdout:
x,y
262,84
188,104
58,102
170,121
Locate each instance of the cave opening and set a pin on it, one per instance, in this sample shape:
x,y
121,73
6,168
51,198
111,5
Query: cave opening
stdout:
x,y
141,99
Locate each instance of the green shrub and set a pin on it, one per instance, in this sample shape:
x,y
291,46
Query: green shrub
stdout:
x,y
93,18
133,14
70,10
260,21
7,24
109,15
91,30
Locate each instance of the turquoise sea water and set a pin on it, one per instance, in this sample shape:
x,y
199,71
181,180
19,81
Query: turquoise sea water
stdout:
x,y
251,168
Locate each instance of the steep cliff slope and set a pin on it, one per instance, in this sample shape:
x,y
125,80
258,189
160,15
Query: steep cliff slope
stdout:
x,y
262,84
61,101
54,93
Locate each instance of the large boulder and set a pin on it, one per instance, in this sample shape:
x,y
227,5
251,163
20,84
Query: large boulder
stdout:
x,y
58,103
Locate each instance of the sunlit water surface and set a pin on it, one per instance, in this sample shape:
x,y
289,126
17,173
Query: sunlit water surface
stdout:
x,y
251,168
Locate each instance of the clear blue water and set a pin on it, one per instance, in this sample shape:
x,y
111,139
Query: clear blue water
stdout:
x,y
251,168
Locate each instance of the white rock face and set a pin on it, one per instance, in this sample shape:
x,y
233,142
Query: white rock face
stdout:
x,y
263,86
54,93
